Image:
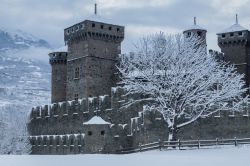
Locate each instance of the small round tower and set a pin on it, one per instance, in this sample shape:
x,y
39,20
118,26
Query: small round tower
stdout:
x,y
58,61
197,31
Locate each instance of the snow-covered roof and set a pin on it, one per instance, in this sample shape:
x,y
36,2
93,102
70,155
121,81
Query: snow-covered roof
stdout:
x,y
96,120
234,28
195,27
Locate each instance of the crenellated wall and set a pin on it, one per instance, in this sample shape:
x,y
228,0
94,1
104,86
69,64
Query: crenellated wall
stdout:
x,y
50,125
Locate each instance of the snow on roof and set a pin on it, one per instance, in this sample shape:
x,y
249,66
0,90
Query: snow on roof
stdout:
x,y
195,26
234,28
96,120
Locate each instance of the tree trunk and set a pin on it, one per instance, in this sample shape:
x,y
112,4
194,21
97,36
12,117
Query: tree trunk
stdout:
x,y
172,136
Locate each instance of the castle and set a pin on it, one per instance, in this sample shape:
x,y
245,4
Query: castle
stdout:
x,y
86,114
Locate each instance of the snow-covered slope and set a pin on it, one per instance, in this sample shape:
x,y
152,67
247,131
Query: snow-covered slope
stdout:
x,y
230,156
24,83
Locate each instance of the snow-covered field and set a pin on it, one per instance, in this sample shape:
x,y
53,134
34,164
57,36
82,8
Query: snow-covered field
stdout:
x,y
226,156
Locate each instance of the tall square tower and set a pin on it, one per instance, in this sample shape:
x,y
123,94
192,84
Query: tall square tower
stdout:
x,y
93,51
234,43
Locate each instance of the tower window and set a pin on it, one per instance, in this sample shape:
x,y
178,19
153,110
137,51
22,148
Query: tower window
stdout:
x,y
102,132
240,33
76,96
199,33
102,26
110,28
231,34
223,35
93,25
89,133
77,72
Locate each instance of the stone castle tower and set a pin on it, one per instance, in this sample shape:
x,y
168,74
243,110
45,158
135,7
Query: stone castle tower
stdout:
x,y
89,66
234,43
196,30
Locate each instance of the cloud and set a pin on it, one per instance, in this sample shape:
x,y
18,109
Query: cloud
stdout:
x,y
47,19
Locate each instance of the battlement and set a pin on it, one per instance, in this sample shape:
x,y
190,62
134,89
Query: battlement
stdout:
x,y
87,106
218,55
58,58
233,38
93,29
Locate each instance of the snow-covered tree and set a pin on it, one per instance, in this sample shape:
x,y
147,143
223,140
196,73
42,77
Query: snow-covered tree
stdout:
x,y
179,79
13,131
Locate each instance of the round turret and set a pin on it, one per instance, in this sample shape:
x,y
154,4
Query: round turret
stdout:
x,y
195,30
58,61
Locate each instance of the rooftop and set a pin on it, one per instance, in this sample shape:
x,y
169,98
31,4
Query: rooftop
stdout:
x,y
234,28
195,27
96,120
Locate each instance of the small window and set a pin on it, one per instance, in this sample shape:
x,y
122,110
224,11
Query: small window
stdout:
x,y
89,133
118,29
68,31
93,25
240,33
110,28
231,34
102,132
223,35
188,34
199,33
76,96
102,26
77,72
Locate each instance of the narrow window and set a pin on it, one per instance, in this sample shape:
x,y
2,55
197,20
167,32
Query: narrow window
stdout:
x,y
76,96
118,29
101,26
231,34
93,25
223,35
240,33
102,132
110,28
77,73
188,34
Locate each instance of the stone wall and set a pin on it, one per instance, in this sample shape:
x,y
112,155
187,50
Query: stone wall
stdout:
x,y
128,126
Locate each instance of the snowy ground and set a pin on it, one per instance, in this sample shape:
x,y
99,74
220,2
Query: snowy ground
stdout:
x,y
226,156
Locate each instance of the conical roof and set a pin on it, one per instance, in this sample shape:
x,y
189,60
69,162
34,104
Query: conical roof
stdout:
x,y
234,28
195,27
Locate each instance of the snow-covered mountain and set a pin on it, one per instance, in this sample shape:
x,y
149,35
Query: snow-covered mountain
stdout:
x,y
18,39
24,83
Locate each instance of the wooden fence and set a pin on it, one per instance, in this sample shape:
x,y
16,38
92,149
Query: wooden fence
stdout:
x,y
185,144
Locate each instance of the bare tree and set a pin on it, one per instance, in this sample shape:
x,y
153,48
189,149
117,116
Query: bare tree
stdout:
x,y
180,79
13,130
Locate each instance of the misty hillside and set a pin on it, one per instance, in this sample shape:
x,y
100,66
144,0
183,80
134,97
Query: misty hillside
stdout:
x,y
24,83
18,39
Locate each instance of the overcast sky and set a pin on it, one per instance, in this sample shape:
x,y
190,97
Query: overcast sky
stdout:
x,y
47,18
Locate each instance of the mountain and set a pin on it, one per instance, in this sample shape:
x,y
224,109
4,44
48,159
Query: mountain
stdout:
x,y
19,40
24,83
